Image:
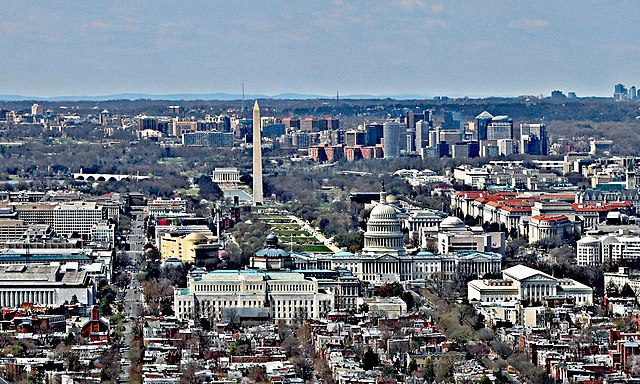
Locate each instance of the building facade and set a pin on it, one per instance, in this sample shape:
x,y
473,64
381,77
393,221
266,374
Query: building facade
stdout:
x,y
288,296
522,283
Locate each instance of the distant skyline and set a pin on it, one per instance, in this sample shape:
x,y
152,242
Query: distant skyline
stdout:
x,y
470,48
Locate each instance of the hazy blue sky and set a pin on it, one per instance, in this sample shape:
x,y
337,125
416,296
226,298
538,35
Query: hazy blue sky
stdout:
x,y
408,46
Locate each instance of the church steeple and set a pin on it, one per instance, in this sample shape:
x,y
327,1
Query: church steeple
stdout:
x,y
631,176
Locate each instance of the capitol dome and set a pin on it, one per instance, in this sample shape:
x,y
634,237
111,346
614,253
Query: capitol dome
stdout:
x,y
384,212
384,231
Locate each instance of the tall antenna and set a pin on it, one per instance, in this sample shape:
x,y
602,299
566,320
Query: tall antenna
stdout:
x,y
337,99
242,109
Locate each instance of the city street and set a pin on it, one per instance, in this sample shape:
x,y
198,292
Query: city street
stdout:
x,y
133,308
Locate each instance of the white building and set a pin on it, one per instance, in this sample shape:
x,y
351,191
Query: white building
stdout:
x,y
621,278
423,221
473,177
226,176
46,285
288,296
161,207
454,236
103,232
67,218
594,249
77,217
523,283
550,227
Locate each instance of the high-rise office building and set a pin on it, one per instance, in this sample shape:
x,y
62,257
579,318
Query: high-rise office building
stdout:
x,y
410,140
453,121
482,122
500,127
374,134
620,92
353,138
411,118
392,139
422,135
428,117
534,139
257,156
291,123
505,147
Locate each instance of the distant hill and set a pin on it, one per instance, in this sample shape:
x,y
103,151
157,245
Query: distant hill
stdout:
x,y
205,96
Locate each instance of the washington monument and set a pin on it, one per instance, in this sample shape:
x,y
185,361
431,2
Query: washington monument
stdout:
x,y
258,198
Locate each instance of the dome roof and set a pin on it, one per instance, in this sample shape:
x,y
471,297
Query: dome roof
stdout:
x,y
272,253
343,254
195,236
452,222
383,212
271,249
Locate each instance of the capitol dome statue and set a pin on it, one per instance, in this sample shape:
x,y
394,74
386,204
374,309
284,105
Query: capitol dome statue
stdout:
x,y
384,231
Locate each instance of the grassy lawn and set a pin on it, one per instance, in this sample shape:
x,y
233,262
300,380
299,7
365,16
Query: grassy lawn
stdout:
x,y
67,140
289,232
312,248
326,206
193,191
286,226
276,220
299,239
172,161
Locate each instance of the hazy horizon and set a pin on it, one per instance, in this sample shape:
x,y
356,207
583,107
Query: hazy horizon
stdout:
x,y
474,48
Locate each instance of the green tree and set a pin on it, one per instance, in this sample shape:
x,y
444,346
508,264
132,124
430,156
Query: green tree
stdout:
x,y
612,290
413,366
627,291
209,190
370,360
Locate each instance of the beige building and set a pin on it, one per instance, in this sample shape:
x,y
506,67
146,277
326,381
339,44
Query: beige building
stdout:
x,y
189,248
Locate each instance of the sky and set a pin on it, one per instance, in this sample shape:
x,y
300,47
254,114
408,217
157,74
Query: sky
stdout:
x,y
455,48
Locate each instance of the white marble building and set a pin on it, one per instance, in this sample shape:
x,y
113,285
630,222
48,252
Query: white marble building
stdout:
x,y
523,283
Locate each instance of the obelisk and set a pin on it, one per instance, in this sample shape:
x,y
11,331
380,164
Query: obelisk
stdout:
x,y
258,198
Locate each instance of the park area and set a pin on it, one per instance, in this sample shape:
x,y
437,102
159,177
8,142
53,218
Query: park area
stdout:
x,y
292,233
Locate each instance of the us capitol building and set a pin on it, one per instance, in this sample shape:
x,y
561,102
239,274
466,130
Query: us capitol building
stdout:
x,y
384,258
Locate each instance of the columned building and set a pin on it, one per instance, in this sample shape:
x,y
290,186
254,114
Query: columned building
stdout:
x,y
284,295
384,235
527,284
226,176
44,285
